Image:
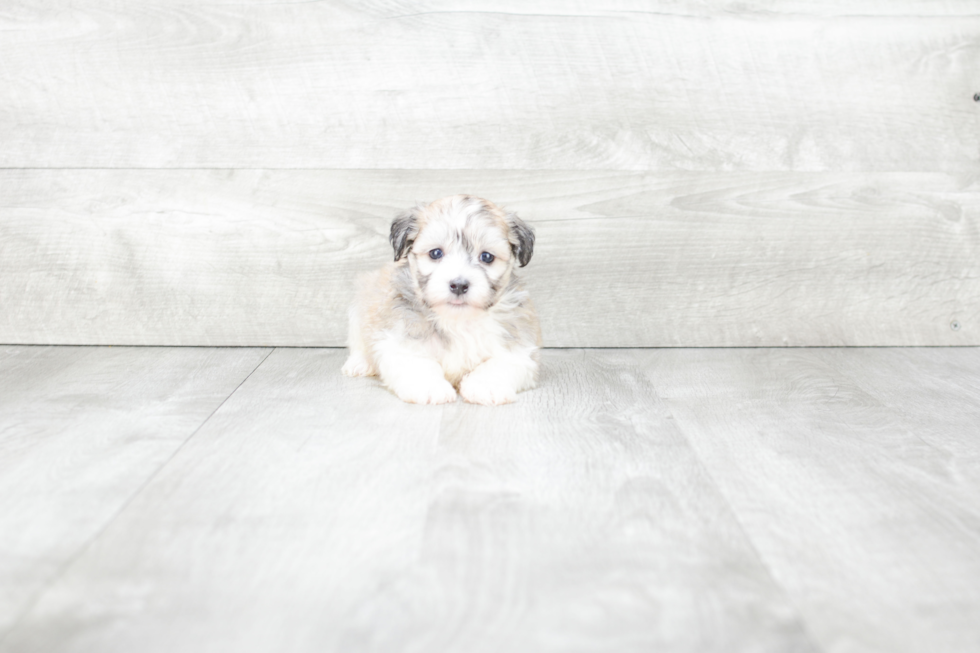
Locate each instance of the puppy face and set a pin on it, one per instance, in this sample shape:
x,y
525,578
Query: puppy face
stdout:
x,y
461,251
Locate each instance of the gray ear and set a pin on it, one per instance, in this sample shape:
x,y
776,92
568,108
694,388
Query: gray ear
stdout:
x,y
404,229
521,239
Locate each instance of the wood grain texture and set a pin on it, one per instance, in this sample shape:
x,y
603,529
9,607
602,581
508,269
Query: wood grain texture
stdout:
x,y
81,430
318,513
426,84
855,475
260,257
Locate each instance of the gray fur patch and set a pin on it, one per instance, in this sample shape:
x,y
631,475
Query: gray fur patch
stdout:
x,y
521,239
466,243
411,308
404,229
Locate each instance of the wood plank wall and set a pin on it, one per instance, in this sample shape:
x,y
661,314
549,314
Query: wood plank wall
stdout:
x,y
724,174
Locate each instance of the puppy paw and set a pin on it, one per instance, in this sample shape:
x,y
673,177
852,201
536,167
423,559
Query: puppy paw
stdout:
x,y
357,365
427,391
484,389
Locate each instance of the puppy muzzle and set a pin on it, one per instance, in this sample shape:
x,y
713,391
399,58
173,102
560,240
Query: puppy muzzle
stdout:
x,y
459,286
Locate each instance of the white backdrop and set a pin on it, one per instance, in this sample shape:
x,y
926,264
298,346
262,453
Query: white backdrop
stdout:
x,y
729,174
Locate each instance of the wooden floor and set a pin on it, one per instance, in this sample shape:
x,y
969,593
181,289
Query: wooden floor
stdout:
x,y
203,499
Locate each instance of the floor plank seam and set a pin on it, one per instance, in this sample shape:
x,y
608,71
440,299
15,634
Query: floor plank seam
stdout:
x,y
84,547
801,617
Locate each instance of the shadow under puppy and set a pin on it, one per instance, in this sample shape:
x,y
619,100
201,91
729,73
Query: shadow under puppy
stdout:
x,y
449,313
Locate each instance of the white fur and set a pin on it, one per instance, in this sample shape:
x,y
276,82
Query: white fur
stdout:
x,y
423,340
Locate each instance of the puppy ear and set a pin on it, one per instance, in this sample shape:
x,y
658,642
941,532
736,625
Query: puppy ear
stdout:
x,y
521,239
404,229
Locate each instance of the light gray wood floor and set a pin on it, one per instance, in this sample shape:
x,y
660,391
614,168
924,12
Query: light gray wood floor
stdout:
x,y
200,499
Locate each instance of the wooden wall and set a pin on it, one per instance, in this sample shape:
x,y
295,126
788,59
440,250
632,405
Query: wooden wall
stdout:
x,y
699,174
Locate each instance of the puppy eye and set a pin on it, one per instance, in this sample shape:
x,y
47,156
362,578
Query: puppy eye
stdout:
x,y
486,257
435,254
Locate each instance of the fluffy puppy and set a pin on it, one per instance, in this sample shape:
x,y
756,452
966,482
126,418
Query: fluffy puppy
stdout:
x,y
449,313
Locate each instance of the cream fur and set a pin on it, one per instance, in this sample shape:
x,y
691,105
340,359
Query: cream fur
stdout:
x,y
426,342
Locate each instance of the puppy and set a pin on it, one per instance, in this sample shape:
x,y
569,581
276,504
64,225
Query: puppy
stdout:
x,y
449,313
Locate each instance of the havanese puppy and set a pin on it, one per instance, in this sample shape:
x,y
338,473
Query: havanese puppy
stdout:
x,y
449,313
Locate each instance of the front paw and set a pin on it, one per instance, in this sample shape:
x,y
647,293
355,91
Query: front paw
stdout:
x,y
357,365
426,391
478,388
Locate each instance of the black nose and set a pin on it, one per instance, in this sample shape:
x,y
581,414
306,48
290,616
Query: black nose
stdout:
x,y
459,286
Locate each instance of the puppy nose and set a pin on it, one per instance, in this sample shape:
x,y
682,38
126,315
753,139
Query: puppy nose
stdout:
x,y
459,286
